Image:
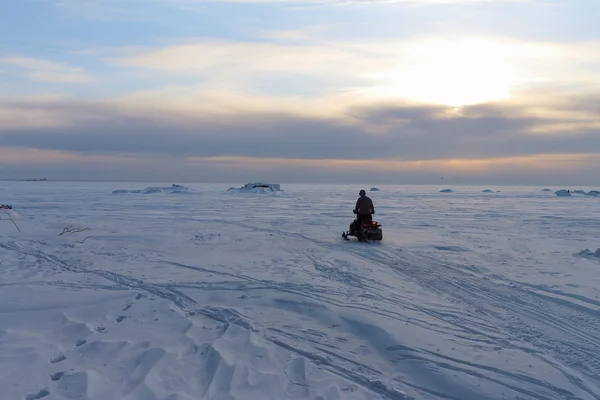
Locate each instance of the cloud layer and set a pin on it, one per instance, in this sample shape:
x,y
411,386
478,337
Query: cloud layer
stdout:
x,y
379,138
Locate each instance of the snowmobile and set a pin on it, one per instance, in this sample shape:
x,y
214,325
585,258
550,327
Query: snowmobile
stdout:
x,y
369,230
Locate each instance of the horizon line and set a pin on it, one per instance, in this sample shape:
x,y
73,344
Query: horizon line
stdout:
x,y
38,180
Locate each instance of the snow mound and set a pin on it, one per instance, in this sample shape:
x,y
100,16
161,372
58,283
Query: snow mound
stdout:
x,y
149,190
593,193
258,187
563,192
374,189
446,191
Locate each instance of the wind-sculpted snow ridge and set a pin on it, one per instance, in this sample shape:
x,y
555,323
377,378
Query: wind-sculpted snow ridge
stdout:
x,y
466,298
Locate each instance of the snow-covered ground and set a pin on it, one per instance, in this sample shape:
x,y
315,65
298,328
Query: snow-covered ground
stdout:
x,y
208,294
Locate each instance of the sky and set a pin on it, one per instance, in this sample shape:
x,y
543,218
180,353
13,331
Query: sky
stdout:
x,y
330,91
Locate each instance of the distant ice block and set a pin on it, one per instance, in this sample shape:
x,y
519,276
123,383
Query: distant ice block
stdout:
x,y
563,192
593,193
546,190
374,189
487,191
446,191
257,187
587,253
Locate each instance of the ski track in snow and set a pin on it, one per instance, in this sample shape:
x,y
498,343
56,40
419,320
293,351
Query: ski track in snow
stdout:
x,y
470,296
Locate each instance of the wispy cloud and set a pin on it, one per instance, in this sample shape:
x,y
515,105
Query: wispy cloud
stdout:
x,y
46,71
151,10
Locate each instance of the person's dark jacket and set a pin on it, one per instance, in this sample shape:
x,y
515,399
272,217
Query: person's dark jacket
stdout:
x,y
364,206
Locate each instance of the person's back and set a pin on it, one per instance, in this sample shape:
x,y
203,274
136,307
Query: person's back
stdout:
x,y
364,205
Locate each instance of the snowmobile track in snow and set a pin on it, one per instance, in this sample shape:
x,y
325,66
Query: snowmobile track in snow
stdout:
x,y
537,324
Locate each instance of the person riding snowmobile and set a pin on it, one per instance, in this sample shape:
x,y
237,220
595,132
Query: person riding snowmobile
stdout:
x,y
363,209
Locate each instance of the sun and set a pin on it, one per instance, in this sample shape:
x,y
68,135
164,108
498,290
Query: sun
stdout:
x,y
455,73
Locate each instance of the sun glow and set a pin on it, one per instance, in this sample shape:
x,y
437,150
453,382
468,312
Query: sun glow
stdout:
x,y
449,72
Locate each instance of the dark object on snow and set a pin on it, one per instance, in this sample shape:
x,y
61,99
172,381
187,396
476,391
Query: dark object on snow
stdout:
x,y
5,207
177,186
